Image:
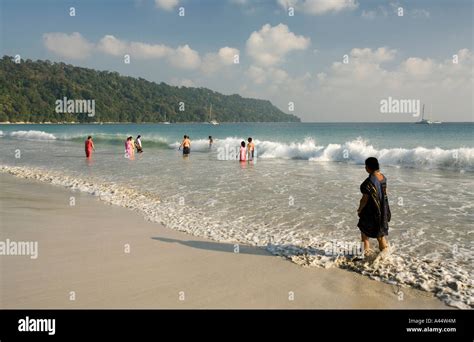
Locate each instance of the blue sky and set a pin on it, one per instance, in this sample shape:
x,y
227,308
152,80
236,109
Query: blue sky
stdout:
x,y
294,59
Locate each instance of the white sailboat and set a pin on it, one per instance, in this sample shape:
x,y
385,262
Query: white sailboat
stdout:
x,y
423,121
212,122
166,122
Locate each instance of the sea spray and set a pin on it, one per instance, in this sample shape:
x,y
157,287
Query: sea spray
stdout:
x,y
351,152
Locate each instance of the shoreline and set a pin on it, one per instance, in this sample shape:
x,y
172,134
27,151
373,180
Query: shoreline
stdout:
x,y
81,249
141,123
221,122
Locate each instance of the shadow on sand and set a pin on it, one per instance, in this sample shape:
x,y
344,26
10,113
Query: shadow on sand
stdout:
x,y
218,246
286,251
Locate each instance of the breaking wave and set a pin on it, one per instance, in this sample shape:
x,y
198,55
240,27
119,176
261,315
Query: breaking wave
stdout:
x,y
355,151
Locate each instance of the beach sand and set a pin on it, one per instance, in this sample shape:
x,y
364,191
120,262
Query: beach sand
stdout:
x,y
82,248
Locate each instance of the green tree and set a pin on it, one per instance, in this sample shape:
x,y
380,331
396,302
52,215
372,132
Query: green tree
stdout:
x,y
29,90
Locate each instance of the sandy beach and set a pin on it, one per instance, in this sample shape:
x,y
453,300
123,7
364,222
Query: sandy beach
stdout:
x,y
104,256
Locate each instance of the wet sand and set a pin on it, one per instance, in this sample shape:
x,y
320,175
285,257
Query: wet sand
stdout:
x,y
104,256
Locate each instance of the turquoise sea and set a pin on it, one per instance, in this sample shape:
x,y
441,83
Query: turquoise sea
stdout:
x,y
297,199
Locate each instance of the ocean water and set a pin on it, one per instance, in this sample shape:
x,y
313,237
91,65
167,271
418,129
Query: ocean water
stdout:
x,y
298,199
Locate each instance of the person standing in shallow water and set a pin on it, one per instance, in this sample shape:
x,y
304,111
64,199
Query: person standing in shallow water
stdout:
x,y
138,144
129,148
132,147
250,148
186,145
374,211
243,152
89,147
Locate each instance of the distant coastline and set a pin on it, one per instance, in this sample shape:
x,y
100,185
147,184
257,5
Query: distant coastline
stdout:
x,y
132,123
205,123
49,92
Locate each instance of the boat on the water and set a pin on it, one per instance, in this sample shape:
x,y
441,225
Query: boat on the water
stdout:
x,y
424,121
211,121
166,122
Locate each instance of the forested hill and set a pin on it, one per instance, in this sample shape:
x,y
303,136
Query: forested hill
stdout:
x,y
29,91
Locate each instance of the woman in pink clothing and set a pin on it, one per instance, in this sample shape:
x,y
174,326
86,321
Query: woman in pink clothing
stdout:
x,y
128,147
243,152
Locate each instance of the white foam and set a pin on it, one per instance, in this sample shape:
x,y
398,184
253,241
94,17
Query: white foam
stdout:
x,y
202,145
32,135
355,152
420,157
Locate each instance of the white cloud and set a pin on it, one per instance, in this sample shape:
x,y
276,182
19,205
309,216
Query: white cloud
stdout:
x,y
167,5
319,7
112,46
363,82
354,75
412,12
418,67
465,56
352,92
185,58
383,11
116,47
363,69
182,57
272,75
227,55
270,45
73,45
287,3
147,51
213,62
256,74
380,55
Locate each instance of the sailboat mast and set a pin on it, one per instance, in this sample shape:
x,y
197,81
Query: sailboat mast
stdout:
x,y
423,112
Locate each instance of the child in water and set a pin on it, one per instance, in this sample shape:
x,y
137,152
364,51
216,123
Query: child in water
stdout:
x,y
243,152
138,144
250,148
132,147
